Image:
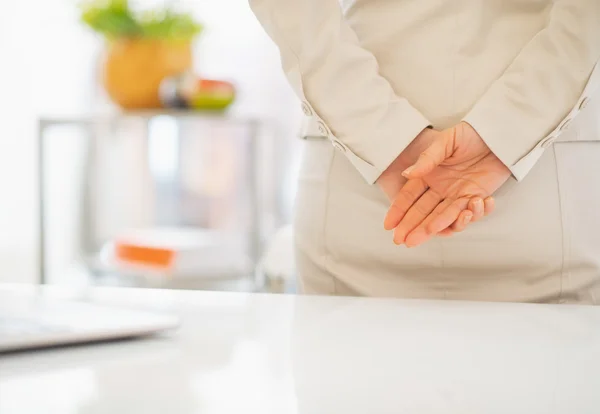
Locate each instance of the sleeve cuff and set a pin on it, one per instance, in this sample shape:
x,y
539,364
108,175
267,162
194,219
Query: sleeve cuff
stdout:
x,y
371,153
513,133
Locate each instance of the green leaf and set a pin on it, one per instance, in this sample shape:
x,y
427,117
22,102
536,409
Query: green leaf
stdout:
x,y
114,19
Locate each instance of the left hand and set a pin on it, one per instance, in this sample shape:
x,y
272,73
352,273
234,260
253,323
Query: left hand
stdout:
x,y
456,167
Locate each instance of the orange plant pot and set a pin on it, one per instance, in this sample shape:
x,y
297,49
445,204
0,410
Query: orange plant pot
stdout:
x,y
134,69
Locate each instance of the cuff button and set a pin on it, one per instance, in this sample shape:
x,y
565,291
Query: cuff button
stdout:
x,y
323,128
338,145
566,125
548,141
306,109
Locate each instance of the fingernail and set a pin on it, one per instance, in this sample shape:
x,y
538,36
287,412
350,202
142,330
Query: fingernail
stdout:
x,y
467,218
416,238
407,172
411,244
479,203
388,224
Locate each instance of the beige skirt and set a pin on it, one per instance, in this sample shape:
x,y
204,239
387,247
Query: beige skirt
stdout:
x,y
542,244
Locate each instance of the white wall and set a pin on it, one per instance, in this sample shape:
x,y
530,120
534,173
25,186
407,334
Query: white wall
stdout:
x,y
48,65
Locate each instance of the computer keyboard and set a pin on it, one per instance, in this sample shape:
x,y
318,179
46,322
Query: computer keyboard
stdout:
x,y
14,326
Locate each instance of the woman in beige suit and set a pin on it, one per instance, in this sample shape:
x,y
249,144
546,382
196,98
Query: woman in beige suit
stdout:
x,y
500,96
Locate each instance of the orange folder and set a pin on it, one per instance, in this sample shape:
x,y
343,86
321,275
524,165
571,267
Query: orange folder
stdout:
x,y
144,255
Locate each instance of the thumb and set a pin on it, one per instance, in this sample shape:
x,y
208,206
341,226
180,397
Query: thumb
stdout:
x,y
440,149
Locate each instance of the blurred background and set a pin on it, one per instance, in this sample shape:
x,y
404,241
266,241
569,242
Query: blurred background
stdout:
x,y
144,143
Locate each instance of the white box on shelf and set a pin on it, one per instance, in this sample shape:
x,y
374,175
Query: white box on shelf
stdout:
x,y
178,253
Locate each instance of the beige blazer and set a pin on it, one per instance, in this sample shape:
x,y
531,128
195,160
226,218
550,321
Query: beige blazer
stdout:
x,y
372,74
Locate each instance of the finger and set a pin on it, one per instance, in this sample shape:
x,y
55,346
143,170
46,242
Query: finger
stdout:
x,y
489,205
448,216
433,156
415,215
465,217
476,206
478,212
408,195
447,232
421,234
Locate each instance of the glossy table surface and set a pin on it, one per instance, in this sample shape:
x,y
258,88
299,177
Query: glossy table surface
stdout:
x,y
259,353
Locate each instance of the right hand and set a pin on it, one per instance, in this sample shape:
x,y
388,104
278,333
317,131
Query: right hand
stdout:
x,y
391,182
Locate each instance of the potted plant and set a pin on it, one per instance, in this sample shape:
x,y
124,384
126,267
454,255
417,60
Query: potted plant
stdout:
x,y
142,49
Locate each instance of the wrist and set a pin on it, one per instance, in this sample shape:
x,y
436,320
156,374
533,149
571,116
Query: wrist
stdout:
x,y
391,180
421,142
412,152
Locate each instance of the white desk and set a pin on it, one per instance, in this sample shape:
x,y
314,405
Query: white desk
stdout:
x,y
254,353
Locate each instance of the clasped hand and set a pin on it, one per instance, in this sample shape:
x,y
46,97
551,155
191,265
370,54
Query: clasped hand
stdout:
x,y
448,186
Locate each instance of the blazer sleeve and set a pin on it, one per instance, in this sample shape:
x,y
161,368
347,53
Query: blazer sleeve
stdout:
x,y
339,83
544,88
